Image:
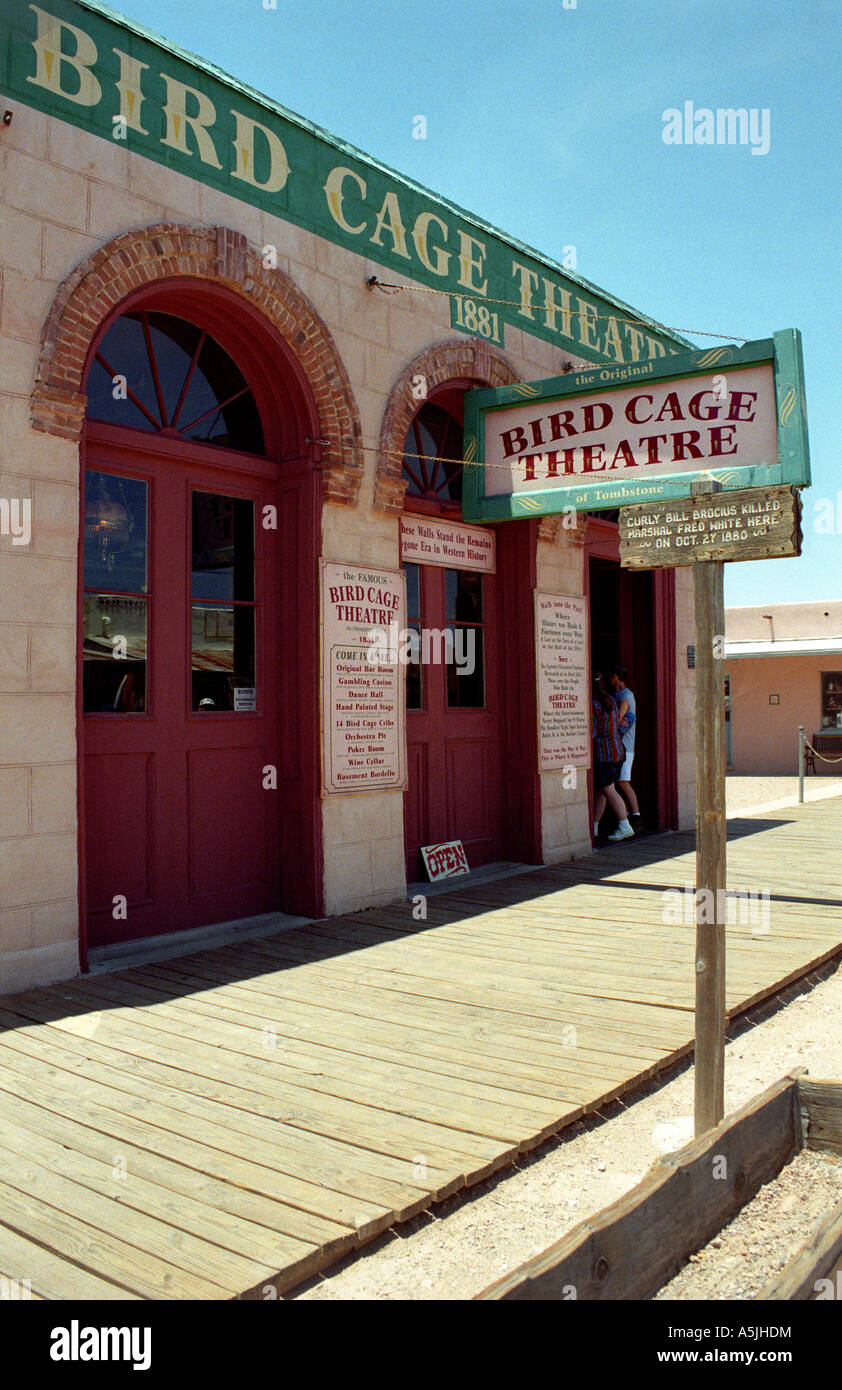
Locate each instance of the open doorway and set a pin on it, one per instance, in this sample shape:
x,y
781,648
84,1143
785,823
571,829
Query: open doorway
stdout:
x,y
622,624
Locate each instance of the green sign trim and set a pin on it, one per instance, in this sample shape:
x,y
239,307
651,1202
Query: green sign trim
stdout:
x,y
81,63
782,351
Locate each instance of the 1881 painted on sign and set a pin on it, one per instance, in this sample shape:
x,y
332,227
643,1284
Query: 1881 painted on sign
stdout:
x,y
644,432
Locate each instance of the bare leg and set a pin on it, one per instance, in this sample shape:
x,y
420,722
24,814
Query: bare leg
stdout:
x,y
598,807
629,793
615,801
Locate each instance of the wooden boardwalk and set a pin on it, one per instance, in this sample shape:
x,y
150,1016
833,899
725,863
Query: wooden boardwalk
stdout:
x,y
209,1126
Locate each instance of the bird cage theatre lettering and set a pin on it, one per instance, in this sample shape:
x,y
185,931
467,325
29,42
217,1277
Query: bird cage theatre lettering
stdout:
x,y
259,650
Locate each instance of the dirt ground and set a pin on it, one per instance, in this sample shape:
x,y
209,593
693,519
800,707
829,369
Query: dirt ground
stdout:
x,y
746,793
471,1240
750,1252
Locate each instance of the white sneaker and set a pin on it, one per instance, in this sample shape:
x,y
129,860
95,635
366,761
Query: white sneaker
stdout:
x,y
623,832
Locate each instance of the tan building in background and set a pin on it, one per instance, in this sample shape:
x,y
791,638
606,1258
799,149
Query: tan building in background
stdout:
x,y
783,669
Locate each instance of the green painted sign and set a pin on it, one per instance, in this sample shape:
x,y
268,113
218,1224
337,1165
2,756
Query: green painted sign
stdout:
x,y
81,63
478,319
611,436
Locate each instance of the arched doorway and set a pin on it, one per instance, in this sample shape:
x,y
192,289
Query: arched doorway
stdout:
x,y
198,625
454,755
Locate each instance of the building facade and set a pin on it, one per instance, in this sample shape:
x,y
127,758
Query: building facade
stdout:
x,y
233,355
784,669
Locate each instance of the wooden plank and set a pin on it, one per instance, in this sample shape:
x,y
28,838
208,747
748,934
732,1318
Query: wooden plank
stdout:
x,y
52,1275
821,1114
85,1244
366,1112
237,1136
26,1083
336,1167
818,1259
377,1017
190,1200
631,1248
190,1254
709,1056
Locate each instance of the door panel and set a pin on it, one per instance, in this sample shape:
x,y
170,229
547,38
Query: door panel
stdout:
x,y
417,797
469,762
120,800
454,760
227,821
177,817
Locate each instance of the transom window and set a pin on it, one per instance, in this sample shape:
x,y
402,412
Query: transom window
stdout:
x,y
433,438
159,373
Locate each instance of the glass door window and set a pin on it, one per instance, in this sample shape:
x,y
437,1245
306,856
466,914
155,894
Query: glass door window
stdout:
x,y
116,594
223,610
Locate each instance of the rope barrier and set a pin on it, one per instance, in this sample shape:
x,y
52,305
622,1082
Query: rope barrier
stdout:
x,y
821,755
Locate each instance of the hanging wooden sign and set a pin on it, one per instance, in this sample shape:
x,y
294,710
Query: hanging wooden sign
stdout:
x,y
642,432
754,524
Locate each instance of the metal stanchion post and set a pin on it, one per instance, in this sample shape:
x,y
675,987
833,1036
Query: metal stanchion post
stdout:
x,y
800,762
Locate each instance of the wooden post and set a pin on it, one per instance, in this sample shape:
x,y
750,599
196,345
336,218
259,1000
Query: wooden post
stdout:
x,y
800,762
708,582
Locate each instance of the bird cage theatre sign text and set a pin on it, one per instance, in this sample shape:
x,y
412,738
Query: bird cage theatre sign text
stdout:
x,y
617,435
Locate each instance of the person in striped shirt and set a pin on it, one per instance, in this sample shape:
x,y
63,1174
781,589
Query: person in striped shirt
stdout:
x,y
608,757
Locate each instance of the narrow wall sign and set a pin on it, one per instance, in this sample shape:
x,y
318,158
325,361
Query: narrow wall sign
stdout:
x,y
428,541
755,524
612,436
363,680
563,684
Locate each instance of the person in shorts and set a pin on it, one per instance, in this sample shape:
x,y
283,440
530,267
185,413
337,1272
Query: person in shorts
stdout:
x,y
627,708
608,756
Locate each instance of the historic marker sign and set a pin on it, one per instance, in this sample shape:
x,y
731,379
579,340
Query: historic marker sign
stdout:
x,y
756,524
363,702
563,684
613,436
428,541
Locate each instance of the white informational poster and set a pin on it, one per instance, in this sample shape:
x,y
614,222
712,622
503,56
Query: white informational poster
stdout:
x,y
363,679
563,681
428,541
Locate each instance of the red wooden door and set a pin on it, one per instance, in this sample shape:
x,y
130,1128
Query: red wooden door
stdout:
x,y
454,786
180,686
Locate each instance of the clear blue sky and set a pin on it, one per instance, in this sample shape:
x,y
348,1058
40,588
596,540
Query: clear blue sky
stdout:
x,y
547,122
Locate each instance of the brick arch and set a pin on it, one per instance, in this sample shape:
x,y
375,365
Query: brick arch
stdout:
x,y
152,255
453,360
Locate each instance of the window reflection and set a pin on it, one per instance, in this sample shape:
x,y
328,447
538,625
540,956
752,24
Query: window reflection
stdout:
x,y
115,527
114,650
223,547
223,658
114,655
223,615
414,686
464,612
